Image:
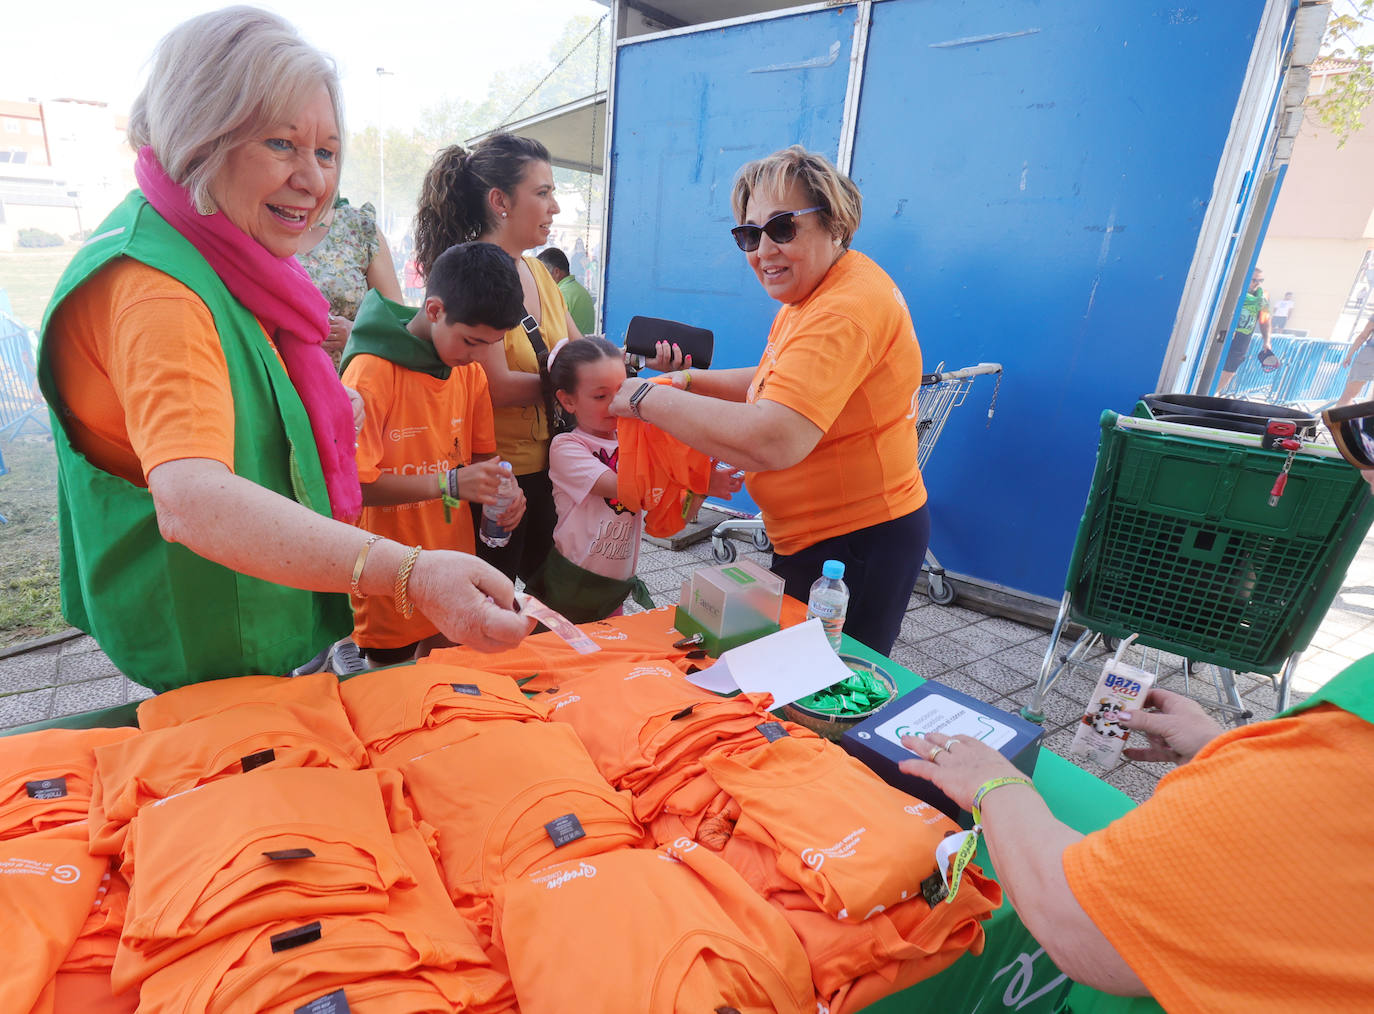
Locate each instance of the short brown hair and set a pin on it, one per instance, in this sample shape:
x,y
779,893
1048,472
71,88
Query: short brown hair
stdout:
x,y
829,189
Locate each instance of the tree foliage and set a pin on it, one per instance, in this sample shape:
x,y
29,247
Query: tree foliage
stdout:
x,y
1341,107
577,65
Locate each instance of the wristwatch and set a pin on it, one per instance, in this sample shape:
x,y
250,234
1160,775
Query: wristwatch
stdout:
x,y
637,397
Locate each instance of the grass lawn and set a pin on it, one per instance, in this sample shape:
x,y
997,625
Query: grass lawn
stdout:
x,y
29,277
29,599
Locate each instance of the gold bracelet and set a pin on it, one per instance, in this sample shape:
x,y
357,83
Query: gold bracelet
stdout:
x,y
402,597
686,380
354,588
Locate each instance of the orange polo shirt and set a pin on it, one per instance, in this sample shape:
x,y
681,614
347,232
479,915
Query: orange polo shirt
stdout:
x,y
847,359
1245,883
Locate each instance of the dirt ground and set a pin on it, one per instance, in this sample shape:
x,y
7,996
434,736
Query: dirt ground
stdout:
x,y
28,542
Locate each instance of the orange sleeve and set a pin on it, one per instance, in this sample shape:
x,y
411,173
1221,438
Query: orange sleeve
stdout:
x,y
375,380
480,412
141,372
1244,883
833,346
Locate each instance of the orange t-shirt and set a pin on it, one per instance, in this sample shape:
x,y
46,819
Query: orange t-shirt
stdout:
x,y
140,372
47,777
1245,883
846,358
416,425
657,472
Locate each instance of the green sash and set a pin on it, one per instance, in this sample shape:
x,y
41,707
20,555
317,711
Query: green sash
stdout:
x,y
581,595
165,616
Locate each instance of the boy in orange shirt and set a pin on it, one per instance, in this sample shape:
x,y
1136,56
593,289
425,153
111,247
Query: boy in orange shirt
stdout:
x,y
428,437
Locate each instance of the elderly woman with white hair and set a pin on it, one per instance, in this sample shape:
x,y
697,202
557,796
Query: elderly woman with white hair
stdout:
x,y
824,425
205,445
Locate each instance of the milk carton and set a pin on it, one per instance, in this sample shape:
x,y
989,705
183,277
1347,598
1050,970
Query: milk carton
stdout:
x,y
1121,687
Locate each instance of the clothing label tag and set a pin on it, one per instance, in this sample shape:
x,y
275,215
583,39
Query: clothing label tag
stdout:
x,y
46,788
282,855
298,937
257,760
933,889
954,852
564,830
683,713
466,688
330,1003
772,731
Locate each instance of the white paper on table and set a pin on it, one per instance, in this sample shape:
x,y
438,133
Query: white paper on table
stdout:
x,y
789,665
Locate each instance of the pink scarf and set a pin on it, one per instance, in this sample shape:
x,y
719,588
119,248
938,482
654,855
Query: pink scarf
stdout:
x,y
285,301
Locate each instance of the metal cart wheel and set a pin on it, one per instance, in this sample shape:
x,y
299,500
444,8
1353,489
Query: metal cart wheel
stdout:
x,y
761,541
723,550
941,592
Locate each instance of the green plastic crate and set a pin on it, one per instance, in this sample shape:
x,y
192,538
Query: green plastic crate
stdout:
x,y
1179,545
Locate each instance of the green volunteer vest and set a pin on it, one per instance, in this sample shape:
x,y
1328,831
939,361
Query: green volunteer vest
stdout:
x,y
1352,690
165,616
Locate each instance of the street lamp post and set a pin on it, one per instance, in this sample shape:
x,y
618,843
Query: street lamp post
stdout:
x,y
381,148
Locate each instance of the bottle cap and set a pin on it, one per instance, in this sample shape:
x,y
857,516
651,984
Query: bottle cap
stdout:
x,y
833,569
505,466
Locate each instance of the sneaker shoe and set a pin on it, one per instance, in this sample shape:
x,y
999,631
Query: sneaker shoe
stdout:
x,y
345,659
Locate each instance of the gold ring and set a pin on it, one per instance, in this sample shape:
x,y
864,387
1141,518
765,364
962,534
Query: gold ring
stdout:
x,y
935,753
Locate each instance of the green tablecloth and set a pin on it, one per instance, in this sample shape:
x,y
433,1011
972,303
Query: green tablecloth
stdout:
x,y
1013,973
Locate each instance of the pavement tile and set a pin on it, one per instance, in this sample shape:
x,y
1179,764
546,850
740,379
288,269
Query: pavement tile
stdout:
x,y
915,658
919,624
1022,658
663,581
91,696
1010,630
21,709
80,645
84,667
134,692
1058,742
951,653
28,671
959,679
1059,710
1000,679
980,643
1131,779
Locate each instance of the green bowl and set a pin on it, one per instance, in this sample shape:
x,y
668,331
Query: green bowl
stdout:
x,y
835,726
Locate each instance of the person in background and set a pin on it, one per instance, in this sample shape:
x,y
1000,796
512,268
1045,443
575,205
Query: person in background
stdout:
x,y
1242,884
427,446
1359,359
345,255
824,425
1283,309
579,302
205,444
1254,313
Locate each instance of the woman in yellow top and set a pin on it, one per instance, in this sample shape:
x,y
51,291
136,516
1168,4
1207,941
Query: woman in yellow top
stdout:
x,y
502,192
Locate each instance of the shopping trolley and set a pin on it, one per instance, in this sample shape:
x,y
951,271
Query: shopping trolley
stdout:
x,y
941,393
1184,543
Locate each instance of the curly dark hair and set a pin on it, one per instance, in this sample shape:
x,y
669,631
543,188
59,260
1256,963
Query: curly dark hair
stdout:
x,y
453,197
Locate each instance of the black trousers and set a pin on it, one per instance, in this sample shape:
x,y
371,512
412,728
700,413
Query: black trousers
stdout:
x,y
881,564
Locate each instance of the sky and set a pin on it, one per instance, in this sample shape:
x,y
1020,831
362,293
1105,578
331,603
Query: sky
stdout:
x,y
433,49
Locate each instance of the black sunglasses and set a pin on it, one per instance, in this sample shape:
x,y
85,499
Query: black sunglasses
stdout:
x,y
1352,428
781,228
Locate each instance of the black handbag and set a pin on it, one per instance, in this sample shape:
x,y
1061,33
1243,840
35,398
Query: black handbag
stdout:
x,y
644,333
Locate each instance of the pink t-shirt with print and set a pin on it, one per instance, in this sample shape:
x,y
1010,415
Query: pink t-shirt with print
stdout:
x,y
595,533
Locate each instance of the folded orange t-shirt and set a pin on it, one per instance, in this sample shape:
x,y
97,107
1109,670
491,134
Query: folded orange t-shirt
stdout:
x,y
48,884
245,737
674,930
200,699
45,777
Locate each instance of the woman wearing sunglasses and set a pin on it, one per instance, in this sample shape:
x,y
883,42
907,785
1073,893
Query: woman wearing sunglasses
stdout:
x,y
1242,884
824,425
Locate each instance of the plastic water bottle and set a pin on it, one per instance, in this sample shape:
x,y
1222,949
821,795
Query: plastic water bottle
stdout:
x,y
828,601
491,532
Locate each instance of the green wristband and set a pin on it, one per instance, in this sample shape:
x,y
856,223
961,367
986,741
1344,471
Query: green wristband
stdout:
x,y
988,786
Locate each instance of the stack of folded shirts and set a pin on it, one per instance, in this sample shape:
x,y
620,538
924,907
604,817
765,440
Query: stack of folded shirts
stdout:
x,y
639,931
